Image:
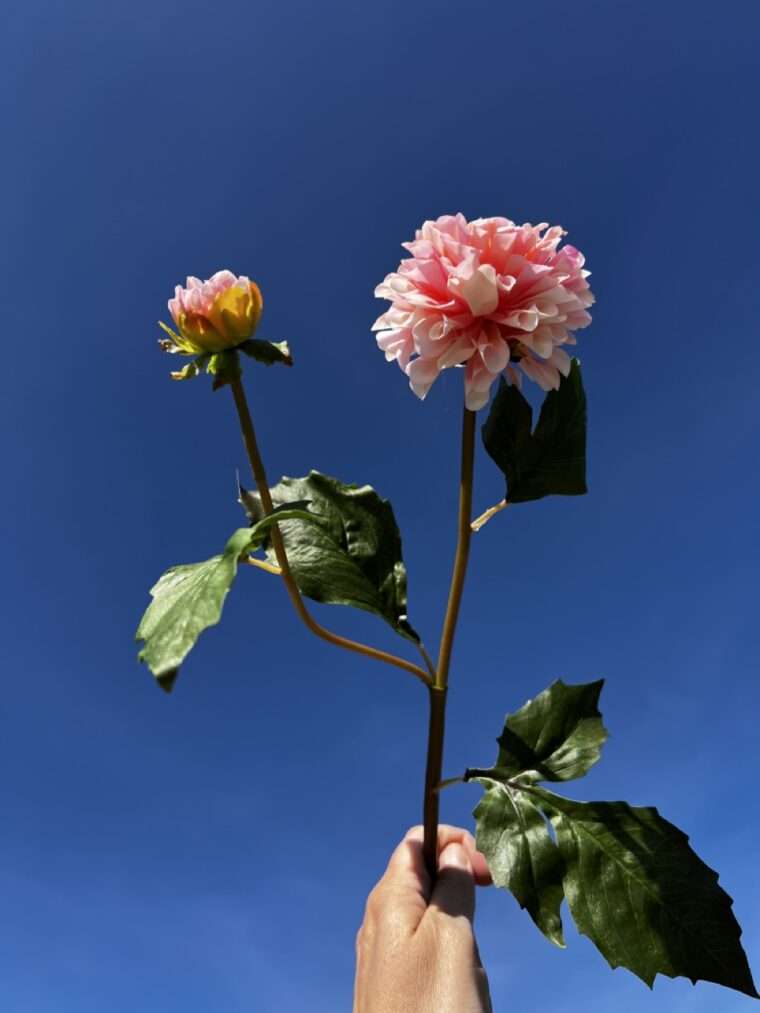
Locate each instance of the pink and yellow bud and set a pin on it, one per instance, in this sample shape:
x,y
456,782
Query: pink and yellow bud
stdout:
x,y
215,315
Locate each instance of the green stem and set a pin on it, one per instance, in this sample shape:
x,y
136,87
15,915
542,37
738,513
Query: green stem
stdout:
x,y
437,720
259,474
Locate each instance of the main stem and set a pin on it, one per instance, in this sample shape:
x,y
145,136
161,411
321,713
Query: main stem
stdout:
x,y
257,467
439,687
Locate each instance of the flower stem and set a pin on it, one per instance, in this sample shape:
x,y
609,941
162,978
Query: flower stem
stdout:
x,y
429,664
438,689
259,474
433,768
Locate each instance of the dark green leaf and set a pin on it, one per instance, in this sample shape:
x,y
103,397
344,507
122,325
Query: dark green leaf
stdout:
x,y
556,736
514,837
549,461
254,511
639,892
188,599
268,352
354,556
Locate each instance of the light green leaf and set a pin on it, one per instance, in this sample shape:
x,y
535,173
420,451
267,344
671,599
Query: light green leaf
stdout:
x,y
644,898
354,557
556,736
188,599
189,371
552,459
522,857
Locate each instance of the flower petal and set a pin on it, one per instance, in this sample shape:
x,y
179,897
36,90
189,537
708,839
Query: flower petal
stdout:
x,y
477,286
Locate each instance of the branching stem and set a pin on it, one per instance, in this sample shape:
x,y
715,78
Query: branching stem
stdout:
x,y
259,474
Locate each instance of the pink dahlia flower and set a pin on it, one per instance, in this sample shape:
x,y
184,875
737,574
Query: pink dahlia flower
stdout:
x,y
486,295
214,315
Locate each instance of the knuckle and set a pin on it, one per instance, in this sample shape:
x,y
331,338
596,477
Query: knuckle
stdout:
x,y
456,930
375,902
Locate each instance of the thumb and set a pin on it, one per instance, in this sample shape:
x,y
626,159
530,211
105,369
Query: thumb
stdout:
x,y
454,890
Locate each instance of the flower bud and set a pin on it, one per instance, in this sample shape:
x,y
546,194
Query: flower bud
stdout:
x,y
215,315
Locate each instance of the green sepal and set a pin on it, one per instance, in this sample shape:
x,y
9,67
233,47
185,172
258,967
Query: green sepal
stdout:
x,y
192,369
267,352
556,736
640,893
224,367
175,344
551,460
514,837
188,599
354,558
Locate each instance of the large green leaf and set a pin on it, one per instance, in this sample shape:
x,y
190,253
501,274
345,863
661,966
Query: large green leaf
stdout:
x,y
188,599
552,459
556,736
639,892
633,884
513,835
353,557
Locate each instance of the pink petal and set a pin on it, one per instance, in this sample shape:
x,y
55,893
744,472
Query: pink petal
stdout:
x,y
422,373
561,360
477,286
494,352
544,374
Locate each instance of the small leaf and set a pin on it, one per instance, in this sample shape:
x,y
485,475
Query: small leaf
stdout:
x,y
188,599
552,459
354,557
644,898
556,736
190,371
522,857
268,352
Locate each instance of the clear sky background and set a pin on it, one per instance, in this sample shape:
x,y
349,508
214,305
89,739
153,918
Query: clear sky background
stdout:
x,y
212,850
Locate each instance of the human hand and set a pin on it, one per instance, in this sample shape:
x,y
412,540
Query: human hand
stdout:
x,y
416,949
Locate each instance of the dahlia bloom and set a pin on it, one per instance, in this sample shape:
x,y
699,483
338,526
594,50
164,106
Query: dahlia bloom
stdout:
x,y
486,295
215,315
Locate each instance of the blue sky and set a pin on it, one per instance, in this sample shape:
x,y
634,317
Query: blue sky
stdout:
x,y
212,850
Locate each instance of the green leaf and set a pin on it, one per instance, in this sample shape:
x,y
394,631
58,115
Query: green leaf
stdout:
x,y
254,510
188,599
268,352
556,736
644,898
353,558
192,369
514,837
552,459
